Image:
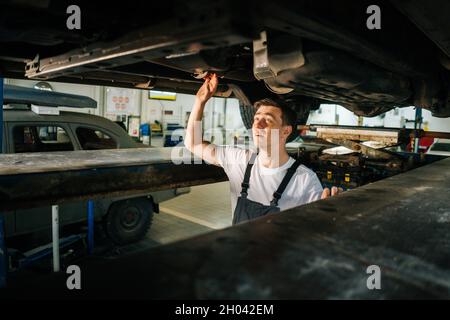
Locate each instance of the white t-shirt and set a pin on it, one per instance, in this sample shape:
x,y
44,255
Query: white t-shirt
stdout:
x,y
304,186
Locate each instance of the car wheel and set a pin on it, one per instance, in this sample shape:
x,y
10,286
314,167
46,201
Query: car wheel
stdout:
x,y
129,220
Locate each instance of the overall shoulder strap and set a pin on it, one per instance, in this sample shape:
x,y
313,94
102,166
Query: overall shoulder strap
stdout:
x,y
245,184
290,172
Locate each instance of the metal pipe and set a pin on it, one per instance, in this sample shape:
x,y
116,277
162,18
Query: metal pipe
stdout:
x,y
90,226
55,238
417,125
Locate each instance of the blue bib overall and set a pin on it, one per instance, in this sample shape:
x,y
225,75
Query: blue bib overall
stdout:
x,y
247,209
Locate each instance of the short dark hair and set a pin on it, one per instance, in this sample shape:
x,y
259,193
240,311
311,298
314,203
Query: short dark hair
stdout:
x,y
288,115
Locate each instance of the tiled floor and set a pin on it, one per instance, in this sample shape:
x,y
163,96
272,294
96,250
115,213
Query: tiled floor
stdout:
x,y
205,208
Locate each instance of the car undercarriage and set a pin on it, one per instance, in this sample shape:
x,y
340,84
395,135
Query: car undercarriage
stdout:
x,y
304,52
369,57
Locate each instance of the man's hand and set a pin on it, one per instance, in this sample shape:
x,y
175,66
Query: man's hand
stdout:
x,y
194,137
334,191
208,88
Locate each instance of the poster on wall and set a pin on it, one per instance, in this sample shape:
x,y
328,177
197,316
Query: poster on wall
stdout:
x,y
133,126
122,101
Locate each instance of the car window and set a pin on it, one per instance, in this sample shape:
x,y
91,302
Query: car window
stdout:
x,y
93,139
41,139
441,147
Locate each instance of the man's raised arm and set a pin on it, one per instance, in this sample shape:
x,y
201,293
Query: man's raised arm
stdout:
x,y
194,136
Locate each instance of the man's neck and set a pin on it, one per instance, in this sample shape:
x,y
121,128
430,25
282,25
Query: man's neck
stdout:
x,y
273,161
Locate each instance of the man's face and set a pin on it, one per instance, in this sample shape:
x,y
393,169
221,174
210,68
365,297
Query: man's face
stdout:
x,y
268,129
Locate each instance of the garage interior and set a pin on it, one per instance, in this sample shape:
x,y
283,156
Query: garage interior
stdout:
x,y
194,216
94,171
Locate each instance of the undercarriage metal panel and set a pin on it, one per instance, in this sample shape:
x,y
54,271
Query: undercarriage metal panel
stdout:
x,y
171,39
320,250
178,37
310,26
431,17
337,77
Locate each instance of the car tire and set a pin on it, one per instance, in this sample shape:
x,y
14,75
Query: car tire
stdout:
x,y
128,221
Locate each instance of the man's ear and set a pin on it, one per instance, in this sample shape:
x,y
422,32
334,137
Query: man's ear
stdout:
x,y
287,130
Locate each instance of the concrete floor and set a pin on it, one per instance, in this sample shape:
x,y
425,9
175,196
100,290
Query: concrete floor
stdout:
x,y
205,208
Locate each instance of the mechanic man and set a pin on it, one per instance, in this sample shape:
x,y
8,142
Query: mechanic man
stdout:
x,y
264,182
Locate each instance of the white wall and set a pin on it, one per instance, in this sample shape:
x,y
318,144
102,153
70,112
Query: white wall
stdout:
x,y
333,114
154,109
225,112
396,118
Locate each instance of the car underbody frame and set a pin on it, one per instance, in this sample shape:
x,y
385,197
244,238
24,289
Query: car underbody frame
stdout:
x,y
307,51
